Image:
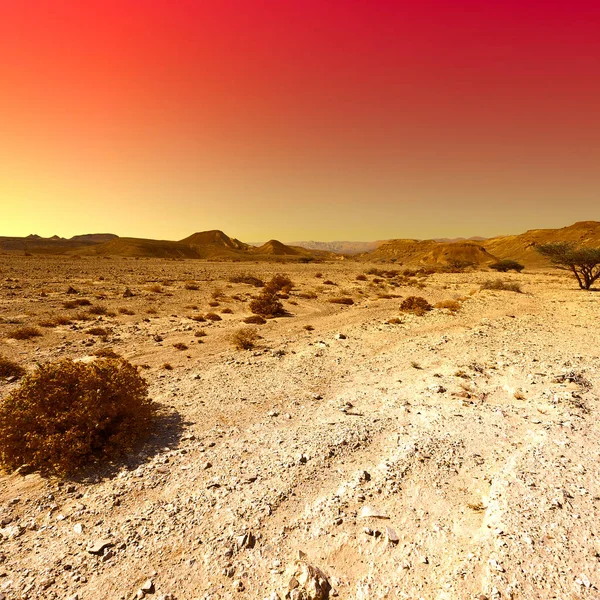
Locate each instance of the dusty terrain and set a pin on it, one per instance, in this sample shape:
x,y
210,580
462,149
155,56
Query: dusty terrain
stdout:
x,y
472,437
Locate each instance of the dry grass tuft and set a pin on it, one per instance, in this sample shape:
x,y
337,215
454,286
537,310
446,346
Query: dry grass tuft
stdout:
x,y
416,304
180,346
248,279
267,304
504,286
451,305
24,333
211,316
343,300
255,320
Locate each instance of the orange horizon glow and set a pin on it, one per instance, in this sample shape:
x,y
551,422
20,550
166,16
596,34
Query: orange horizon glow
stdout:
x,y
298,120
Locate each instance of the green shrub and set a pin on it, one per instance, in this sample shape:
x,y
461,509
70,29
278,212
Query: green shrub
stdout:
x,y
67,415
504,266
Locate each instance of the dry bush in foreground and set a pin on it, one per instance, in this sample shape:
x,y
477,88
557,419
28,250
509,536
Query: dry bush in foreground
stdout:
x,y
191,285
9,368
416,304
99,331
66,415
451,305
76,303
347,301
24,333
55,322
211,316
267,304
255,320
245,339
505,286
180,346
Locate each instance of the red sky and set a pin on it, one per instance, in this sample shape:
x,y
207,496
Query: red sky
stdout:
x,y
296,119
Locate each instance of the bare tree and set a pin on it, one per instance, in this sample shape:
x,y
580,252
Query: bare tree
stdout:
x,y
583,262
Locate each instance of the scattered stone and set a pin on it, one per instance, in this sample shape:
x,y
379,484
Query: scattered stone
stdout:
x,y
370,512
307,582
97,547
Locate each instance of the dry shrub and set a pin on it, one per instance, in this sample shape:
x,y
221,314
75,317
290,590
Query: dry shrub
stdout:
x,y
329,282
72,290
200,333
152,311
67,415
248,279
279,283
99,331
267,304
213,303
451,305
211,316
416,304
198,318
255,320
156,289
309,328
126,311
191,285
55,322
394,321
343,300
503,286
361,277
24,333
180,346
167,367
9,368
227,311
245,338
98,310
76,303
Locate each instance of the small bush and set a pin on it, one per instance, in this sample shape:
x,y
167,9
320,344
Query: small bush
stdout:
x,y
394,321
308,295
309,328
167,367
361,277
267,304
247,279
66,415
227,311
9,368
24,333
200,333
55,322
198,318
126,311
245,339
98,310
451,305
213,303
76,303
255,320
503,266
191,285
504,286
329,282
156,289
211,316
344,300
416,304
279,283
180,346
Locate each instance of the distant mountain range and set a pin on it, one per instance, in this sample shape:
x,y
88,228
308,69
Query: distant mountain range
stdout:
x,y
216,245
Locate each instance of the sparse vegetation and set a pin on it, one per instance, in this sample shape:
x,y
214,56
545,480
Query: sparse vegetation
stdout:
x,y
99,310
99,331
23,333
451,305
227,311
198,318
361,277
416,305
126,311
67,415
106,353
69,304
180,346
200,333
211,316
499,285
267,304
503,266
191,286
55,322
248,279
279,283
9,368
394,321
583,262
245,338
309,328
255,320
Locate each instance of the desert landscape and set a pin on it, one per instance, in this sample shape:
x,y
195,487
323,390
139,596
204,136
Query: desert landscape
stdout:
x,y
355,445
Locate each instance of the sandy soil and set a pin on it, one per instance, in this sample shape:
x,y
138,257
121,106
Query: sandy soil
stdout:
x,y
471,439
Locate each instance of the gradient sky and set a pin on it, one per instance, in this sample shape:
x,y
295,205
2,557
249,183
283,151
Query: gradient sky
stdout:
x,y
298,119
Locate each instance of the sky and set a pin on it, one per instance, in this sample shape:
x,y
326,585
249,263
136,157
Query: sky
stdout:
x,y
298,119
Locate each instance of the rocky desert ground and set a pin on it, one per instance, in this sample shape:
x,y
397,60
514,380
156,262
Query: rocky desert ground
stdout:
x,y
357,451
